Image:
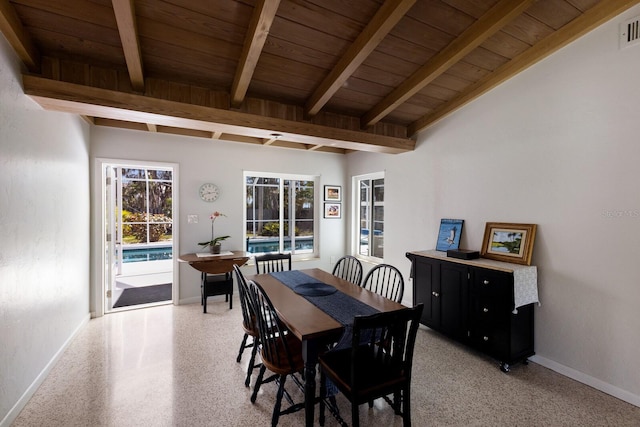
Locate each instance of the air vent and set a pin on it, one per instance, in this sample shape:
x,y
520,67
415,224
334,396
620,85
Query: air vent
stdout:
x,y
630,32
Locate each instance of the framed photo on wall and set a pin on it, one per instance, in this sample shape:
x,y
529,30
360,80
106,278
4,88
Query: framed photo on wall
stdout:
x,y
509,242
332,210
449,234
332,193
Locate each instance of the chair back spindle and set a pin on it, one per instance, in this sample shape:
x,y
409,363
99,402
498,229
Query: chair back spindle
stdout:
x,y
385,280
271,263
349,268
249,324
248,315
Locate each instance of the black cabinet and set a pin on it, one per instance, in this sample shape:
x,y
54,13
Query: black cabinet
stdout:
x,y
473,302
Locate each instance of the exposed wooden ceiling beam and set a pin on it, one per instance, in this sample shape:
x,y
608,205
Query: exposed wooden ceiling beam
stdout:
x,y
272,138
263,14
594,17
490,23
389,14
88,119
126,19
15,33
97,102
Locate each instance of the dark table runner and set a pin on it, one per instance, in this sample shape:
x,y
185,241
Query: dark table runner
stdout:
x,y
338,305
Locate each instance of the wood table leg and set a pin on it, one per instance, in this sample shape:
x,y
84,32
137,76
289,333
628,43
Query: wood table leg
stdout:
x,y
310,356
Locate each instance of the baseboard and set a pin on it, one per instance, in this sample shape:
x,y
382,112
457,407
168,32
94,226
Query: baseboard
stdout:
x,y
604,387
185,301
20,404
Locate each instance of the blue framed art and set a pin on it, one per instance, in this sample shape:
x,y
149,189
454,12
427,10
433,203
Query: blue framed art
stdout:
x,y
449,234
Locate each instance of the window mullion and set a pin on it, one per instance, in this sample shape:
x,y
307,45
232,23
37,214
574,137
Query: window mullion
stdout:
x,y
146,181
281,216
370,225
292,215
366,217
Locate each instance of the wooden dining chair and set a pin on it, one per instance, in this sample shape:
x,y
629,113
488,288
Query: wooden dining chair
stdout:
x,y
212,284
249,324
280,350
271,263
369,370
349,268
385,280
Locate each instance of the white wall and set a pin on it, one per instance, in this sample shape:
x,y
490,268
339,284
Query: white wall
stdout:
x,y
557,146
223,163
44,228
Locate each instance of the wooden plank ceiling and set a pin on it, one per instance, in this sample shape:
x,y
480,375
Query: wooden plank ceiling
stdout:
x,y
326,75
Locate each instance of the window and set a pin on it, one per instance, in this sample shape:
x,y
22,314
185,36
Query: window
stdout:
x,y
280,213
369,209
146,205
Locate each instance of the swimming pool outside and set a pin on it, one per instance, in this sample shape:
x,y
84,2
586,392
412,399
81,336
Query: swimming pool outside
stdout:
x,y
146,253
272,244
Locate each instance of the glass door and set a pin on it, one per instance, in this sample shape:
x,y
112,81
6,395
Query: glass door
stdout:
x,y
138,235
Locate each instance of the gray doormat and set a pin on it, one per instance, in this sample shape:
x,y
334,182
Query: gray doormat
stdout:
x,y
144,295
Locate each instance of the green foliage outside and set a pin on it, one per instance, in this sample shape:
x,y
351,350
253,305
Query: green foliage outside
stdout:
x,y
134,227
273,229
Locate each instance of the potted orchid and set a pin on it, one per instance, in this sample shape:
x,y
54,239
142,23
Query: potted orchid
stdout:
x,y
214,244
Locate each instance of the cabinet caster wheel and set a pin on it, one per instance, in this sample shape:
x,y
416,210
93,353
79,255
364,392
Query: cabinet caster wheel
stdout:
x,y
525,362
504,367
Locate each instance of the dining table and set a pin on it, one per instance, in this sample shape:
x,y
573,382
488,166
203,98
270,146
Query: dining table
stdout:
x,y
313,325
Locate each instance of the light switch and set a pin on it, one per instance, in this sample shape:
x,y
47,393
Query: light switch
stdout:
x,y
192,219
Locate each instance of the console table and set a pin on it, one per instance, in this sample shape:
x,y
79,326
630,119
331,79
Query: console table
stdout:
x,y
482,303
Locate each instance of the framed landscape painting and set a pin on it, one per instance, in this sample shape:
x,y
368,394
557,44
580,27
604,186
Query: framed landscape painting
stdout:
x,y
449,234
509,242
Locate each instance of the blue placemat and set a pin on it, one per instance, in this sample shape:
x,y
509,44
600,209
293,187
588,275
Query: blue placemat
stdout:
x,y
314,289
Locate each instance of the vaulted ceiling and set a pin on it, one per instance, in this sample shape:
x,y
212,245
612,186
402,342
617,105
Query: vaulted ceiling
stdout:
x,y
325,75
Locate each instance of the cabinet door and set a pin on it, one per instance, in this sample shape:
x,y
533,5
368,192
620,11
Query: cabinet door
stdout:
x,y
425,286
454,299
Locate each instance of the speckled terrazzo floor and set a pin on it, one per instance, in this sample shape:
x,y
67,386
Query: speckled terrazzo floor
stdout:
x,y
175,366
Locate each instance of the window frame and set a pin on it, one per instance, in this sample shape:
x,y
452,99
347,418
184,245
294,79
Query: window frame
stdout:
x,y
355,217
282,216
121,180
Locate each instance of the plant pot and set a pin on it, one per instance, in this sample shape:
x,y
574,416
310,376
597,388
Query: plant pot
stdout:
x,y
215,249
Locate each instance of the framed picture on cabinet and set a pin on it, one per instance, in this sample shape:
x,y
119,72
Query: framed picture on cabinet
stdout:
x,y
449,234
332,210
332,193
509,242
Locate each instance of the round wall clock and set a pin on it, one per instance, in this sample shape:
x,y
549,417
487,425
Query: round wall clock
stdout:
x,y
209,192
